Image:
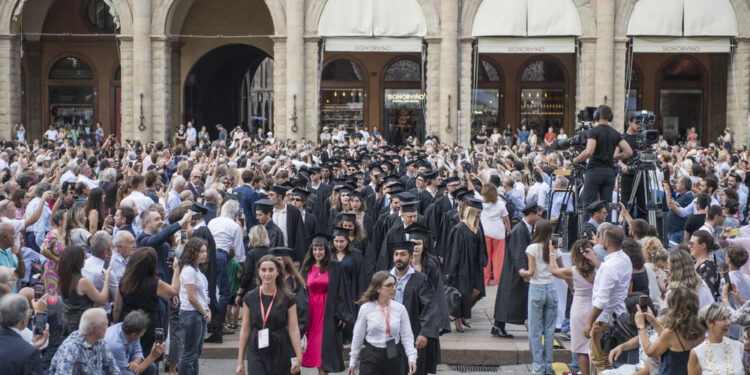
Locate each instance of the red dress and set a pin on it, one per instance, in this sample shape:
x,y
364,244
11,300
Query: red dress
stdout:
x,y
317,286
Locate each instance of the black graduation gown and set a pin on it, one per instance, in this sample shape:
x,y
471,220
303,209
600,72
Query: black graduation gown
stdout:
x,y
311,227
450,219
465,262
419,300
439,208
368,254
274,359
295,232
381,229
275,235
338,308
248,280
303,304
359,281
433,269
512,291
385,256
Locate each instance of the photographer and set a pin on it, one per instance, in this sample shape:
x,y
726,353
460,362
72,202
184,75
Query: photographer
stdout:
x,y
604,145
628,176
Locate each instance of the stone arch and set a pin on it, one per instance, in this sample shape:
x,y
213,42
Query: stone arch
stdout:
x,y
429,10
169,15
622,17
120,8
588,20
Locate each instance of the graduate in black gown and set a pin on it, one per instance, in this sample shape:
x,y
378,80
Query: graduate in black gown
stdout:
x,y
424,261
466,259
512,291
257,245
449,220
295,238
352,263
396,234
264,214
414,291
310,222
358,241
443,204
270,312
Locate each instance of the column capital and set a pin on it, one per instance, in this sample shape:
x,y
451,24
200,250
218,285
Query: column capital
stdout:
x,y
621,39
433,39
587,39
311,38
277,38
468,39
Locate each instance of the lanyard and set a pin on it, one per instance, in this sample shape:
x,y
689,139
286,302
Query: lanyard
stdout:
x,y
263,313
387,317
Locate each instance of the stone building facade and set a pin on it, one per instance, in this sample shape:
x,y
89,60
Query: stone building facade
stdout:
x,y
398,66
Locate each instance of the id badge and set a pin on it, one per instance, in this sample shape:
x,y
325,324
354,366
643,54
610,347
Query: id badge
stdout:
x,y
390,348
263,338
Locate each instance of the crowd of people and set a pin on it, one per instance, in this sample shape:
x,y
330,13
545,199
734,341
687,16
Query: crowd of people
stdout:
x,y
127,257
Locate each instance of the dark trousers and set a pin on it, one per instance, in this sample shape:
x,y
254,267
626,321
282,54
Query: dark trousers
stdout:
x,y
374,361
640,195
31,241
599,181
225,293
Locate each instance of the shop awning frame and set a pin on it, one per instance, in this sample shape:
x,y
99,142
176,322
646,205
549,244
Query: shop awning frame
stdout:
x,y
656,44
373,44
566,44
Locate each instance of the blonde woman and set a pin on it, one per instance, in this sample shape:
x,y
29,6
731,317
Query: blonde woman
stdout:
x,y
682,275
258,243
652,249
467,258
717,354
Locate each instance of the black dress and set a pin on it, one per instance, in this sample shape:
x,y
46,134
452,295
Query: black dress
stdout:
x,y
640,282
148,301
276,357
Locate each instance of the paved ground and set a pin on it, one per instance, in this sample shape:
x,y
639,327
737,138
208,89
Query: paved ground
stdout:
x,y
474,347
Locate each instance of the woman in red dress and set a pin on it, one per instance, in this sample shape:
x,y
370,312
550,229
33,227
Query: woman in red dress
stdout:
x,y
330,307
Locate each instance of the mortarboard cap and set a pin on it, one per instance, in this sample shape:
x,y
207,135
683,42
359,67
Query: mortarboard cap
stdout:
x,y
418,231
281,251
264,205
530,208
595,206
403,245
279,189
473,202
300,193
409,206
341,232
320,238
348,217
199,208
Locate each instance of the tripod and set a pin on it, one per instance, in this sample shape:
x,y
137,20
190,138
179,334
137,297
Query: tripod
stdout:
x,y
570,191
645,175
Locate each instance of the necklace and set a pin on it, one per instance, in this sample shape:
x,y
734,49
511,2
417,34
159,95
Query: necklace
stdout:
x,y
727,358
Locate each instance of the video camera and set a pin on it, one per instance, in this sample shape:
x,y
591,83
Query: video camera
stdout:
x,y
645,139
578,140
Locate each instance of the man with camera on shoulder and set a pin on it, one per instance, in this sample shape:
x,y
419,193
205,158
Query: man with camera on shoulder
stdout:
x,y
604,145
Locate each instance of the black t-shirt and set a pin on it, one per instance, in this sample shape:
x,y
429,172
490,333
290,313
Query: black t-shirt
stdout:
x,y
607,139
508,133
632,141
481,134
694,222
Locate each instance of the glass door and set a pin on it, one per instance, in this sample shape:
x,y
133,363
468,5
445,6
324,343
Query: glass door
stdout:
x,y
403,114
680,110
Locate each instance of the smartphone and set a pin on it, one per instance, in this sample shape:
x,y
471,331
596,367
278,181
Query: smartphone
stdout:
x,y
40,322
158,336
555,240
170,258
38,291
734,232
183,235
644,301
242,222
727,280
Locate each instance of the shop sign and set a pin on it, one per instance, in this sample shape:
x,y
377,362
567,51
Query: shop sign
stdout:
x,y
406,97
352,44
681,45
527,45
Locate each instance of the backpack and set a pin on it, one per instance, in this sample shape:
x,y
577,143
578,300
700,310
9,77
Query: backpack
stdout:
x,y
509,205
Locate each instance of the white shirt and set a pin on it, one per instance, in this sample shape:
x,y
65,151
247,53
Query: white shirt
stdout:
x,y
189,275
142,202
542,273
51,134
492,217
539,192
18,227
370,326
611,285
93,270
89,182
719,362
279,218
69,177
190,134
227,233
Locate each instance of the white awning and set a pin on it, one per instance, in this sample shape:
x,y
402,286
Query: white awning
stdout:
x,y
682,18
367,18
527,45
353,44
681,45
526,18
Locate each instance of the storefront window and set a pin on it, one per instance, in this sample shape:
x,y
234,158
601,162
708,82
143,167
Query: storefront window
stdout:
x,y
542,96
403,114
485,105
342,70
72,105
71,68
403,71
342,106
682,69
680,110
542,71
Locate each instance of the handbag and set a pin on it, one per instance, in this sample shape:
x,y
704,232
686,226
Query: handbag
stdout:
x,y
452,296
620,330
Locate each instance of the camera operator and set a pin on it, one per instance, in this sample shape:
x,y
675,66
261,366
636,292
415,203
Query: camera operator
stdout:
x,y
628,176
604,145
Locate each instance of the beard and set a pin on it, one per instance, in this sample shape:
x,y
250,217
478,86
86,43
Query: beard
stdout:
x,y
401,265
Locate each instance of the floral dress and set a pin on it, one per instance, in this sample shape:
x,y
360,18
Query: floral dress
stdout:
x,y
710,274
54,244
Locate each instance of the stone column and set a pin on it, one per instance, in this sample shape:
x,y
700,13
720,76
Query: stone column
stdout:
x,y
128,113
467,62
280,128
448,66
176,83
584,77
433,90
161,68
620,73
10,84
295,68
605,29
33,90
310,118
142,75
738,93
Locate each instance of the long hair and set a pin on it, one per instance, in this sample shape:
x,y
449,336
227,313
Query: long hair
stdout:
x,y
582,264
470,215
282,292
682,316
191,250
58,221
73,220
633,250
682,272
292,271
651,246
363,207
309,261
71,262
358,232
95,201
542,235
141,267
489,193
371,294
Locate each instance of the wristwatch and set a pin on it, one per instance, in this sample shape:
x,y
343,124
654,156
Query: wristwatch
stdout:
x,y
641,327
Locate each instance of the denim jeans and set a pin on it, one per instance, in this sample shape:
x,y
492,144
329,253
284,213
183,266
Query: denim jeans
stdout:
x,y
195,330
225,291
542,318
677,237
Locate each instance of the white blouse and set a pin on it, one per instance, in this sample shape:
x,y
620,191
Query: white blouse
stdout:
x,y
724,357
370,326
